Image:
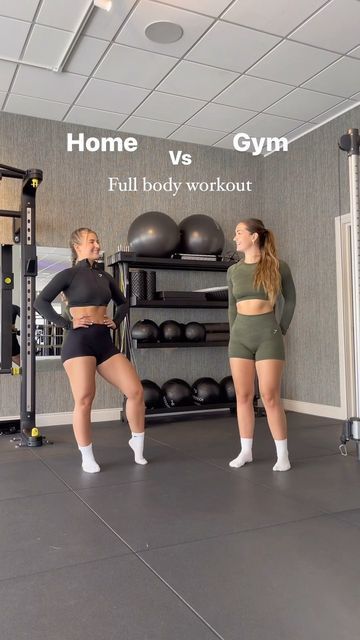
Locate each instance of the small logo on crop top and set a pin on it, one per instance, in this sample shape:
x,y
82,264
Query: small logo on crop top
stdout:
x,y
100,275
275,331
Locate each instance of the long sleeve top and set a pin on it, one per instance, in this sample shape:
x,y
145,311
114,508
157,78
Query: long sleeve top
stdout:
x,y
84,285
240,278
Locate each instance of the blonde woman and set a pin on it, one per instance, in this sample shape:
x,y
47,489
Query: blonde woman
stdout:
x,y
256,339
88,347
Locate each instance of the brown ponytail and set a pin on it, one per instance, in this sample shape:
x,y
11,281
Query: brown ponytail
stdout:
x,y
267,274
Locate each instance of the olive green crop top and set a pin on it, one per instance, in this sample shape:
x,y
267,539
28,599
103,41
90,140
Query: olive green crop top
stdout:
x,y
240,277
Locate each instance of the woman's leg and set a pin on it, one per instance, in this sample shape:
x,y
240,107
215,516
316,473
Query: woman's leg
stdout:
x,y
81,373
269,375
243,373
121,374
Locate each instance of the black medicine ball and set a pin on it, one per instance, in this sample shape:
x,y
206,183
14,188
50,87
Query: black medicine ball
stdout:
x,y
176,393
145,331
152,394
206,391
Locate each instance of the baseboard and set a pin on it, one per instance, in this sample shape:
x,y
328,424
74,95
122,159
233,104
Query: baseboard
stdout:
x,y
97,415
324,410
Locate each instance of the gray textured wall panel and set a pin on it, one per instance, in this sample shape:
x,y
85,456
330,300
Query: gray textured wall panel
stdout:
x,y
74,193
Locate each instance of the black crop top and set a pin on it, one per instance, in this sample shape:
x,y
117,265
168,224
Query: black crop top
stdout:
x,y
84,285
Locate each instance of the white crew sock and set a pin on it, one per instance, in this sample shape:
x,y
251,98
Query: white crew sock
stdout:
x,y
245,454
283,463
89,463
136,443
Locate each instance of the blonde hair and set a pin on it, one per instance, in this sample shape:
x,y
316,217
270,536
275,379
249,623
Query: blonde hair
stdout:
x,y
267,273
76,238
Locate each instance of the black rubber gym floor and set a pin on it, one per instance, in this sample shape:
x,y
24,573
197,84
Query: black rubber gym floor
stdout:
x,y
185,548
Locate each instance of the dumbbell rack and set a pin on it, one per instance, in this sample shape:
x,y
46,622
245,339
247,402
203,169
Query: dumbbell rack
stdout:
x,y
121,263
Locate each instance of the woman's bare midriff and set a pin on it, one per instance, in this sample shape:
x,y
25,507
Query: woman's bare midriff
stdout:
x,y
253,307
95,315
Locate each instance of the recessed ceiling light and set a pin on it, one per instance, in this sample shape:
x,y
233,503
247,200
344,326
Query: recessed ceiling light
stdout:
x,y
164,32
103,4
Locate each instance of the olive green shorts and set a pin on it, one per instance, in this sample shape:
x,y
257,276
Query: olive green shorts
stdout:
x,y
256,338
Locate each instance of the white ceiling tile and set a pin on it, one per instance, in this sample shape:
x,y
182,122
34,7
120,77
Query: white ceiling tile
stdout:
x,y
66,14
7,70
13,34
231,47
148,127
39,83
36,107
355,52
226,143
335,27
87,54
292,63
220,117
197,136
252,93
303,104
344,106
208,7
163,106
280,17
147,12
95,118
298,132
110,96
104,24
341,79
46,46
134,66
196,80
267,126
22,9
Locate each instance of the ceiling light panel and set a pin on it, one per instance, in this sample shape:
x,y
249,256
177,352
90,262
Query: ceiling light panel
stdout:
x,y
163,106
335,27
207,7
7,70
253,93
110,96
13,34
86,55
66,14
221,117
342,78
105,25
38,83
278,17
56,43
148,127
134,66
197,80
95,118
231,47
292,63
36,107
21,9
303,104
147,12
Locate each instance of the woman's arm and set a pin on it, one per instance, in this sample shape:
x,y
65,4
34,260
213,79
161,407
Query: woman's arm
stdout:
x,y
289,294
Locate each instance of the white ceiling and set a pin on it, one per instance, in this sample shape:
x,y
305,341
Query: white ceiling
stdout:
x,y
276,68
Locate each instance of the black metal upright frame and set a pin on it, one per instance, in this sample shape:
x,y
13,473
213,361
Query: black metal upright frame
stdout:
x,y
24,234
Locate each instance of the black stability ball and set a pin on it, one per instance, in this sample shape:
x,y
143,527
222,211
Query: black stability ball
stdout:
x,y
152,394
195,332
228,389
145,331
176,393
171,331
153,234
201,234
206,391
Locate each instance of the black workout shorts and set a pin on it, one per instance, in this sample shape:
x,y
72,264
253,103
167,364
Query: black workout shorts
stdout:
x,y
94,340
